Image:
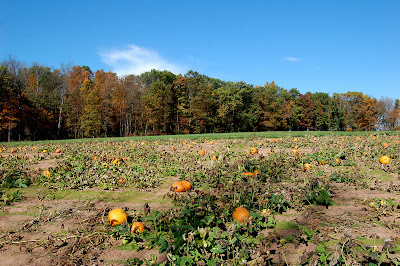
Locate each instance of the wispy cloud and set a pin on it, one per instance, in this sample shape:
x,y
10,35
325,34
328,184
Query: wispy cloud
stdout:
x,y
136,60
292,59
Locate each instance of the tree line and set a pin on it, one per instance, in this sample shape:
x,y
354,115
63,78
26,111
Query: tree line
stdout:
x,y
38,102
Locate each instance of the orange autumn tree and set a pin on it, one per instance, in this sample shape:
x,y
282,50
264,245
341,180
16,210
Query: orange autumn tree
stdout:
x,y
75,99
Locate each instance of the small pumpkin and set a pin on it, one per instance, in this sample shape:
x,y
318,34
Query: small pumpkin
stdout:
x,y
117,216
211,142
137,227
254,150
294,151
307,166
202,152
385,145
181,186
384,159
116,160
214,158
58,151
248,174
241,215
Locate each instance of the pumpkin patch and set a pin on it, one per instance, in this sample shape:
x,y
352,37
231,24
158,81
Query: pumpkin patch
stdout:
x,y
284,195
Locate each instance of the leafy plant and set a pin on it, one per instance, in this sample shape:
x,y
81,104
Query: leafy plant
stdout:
x,y
8,198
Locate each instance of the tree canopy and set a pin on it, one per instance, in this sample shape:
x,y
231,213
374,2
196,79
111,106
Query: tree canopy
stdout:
x,y
38,102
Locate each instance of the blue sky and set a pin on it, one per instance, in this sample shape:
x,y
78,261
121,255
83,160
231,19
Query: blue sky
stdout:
x,y
316,46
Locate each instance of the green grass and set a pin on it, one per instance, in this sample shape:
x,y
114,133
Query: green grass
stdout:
x,y
371,241
286,225
382,175
234,135
92,194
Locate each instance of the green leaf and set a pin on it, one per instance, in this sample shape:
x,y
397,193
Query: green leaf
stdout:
x,y
321,248
218,249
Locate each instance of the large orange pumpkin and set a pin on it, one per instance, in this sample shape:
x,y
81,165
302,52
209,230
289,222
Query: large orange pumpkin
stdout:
x,y
137,227
384,159
181,186
117,216
241,215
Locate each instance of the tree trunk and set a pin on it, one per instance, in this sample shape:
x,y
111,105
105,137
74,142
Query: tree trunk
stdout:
x,y
60,118
9,131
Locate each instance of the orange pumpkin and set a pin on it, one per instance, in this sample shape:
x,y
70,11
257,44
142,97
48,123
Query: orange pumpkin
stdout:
x,y
137,227
241,215
214,158
58,151
212,142
307,166
116,160
384,159
254,150
248,174
181,186
202,152
385,145
117,216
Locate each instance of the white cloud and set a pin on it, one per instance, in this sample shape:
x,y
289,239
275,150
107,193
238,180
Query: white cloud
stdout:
x,y
292,59
136,60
